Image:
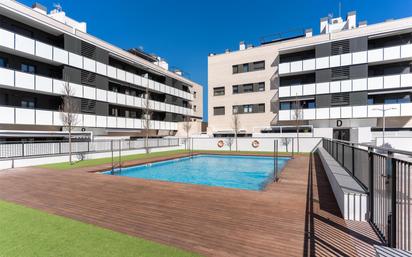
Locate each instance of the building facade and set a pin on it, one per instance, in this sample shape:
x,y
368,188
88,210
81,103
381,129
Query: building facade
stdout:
x,y
41,52
340,83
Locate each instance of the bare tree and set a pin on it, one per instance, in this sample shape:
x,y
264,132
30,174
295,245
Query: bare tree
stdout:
x,y
236,126
297,111
69,110
285,142
187,125
146,116
229,142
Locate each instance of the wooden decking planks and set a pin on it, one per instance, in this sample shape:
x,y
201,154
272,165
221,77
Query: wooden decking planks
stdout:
x,y
209,220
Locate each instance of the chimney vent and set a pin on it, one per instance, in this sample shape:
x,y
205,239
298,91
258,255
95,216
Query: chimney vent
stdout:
x,y
178,72
308,32
363,24
39,8
242,45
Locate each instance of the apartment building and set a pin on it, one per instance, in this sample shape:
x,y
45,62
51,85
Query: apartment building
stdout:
x,y
340,83
41,51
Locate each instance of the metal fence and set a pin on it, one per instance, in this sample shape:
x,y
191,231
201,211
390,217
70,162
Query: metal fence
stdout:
x,y
385,174
14,150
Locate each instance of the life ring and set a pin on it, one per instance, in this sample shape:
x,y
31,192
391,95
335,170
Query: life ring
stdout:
x,y
220,143
255,144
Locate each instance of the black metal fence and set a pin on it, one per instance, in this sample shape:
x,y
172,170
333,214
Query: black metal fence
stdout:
x,y
15,150
385,174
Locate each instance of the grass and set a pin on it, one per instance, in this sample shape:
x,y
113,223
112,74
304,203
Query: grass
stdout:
x,y
95,162
27,232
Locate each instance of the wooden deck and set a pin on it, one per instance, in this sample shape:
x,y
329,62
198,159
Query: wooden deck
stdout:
x,y
296,217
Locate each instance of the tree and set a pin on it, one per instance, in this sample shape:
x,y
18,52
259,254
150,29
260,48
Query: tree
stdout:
x,y
229,142
146,116
235,126
187,125
285,142
297,117
69,110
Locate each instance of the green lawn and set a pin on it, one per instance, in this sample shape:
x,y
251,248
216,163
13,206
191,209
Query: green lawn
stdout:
x,y
26,232
94,162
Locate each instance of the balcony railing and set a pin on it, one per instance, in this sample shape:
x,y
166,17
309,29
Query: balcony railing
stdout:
x,y
22,116
386,175
370,56
348,112
372,83
35,48
42,84
13,150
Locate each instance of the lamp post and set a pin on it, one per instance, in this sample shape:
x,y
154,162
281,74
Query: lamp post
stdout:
x,y
383,110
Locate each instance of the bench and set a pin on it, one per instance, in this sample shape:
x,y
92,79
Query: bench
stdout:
x,y
350,196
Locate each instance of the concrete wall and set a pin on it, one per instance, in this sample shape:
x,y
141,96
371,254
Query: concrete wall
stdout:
x,y
263,144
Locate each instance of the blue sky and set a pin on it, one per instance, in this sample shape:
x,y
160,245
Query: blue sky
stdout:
x,y
185,32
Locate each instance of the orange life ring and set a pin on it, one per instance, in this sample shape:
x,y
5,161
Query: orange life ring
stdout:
x,y
220,143
255,144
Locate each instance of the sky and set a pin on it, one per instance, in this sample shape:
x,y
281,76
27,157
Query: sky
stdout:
x,y
185,32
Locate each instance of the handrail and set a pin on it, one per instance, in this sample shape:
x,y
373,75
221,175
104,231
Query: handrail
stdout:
x,y
391,150
387,180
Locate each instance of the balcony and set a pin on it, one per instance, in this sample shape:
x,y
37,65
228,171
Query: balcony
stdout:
x,y
370,56
372,83
349,112
35,48
30,82
22,116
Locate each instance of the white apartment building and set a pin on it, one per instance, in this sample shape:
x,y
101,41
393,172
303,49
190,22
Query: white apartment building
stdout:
x,y
40,51
338,84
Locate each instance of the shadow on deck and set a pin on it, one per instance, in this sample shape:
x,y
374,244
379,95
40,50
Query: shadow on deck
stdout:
x,y
326,232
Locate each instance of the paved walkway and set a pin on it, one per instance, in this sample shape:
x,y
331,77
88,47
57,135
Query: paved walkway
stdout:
x,y
296,217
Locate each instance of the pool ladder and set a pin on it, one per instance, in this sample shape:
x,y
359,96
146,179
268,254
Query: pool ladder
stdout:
x,y
119,163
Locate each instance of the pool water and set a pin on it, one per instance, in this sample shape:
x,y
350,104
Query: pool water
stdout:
x,y
243,172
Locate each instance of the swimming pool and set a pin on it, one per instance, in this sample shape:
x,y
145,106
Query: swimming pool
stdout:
x,y
243,172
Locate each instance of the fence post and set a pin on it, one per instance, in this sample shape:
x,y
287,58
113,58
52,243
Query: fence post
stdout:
x,y
353,159
293,147
391,175
22,148
111,148
371,183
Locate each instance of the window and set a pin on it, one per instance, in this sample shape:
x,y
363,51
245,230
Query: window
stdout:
x,y
27,103
194,108
194,94
311,104
235,69
3,62
28,68
218,91
235,109
261,86
371,101
259,65
235,89
246,67
285,105
247,88
115,112
247,108
261,107
219,110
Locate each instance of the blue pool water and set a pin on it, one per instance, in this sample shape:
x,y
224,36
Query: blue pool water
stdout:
x,y
244,172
